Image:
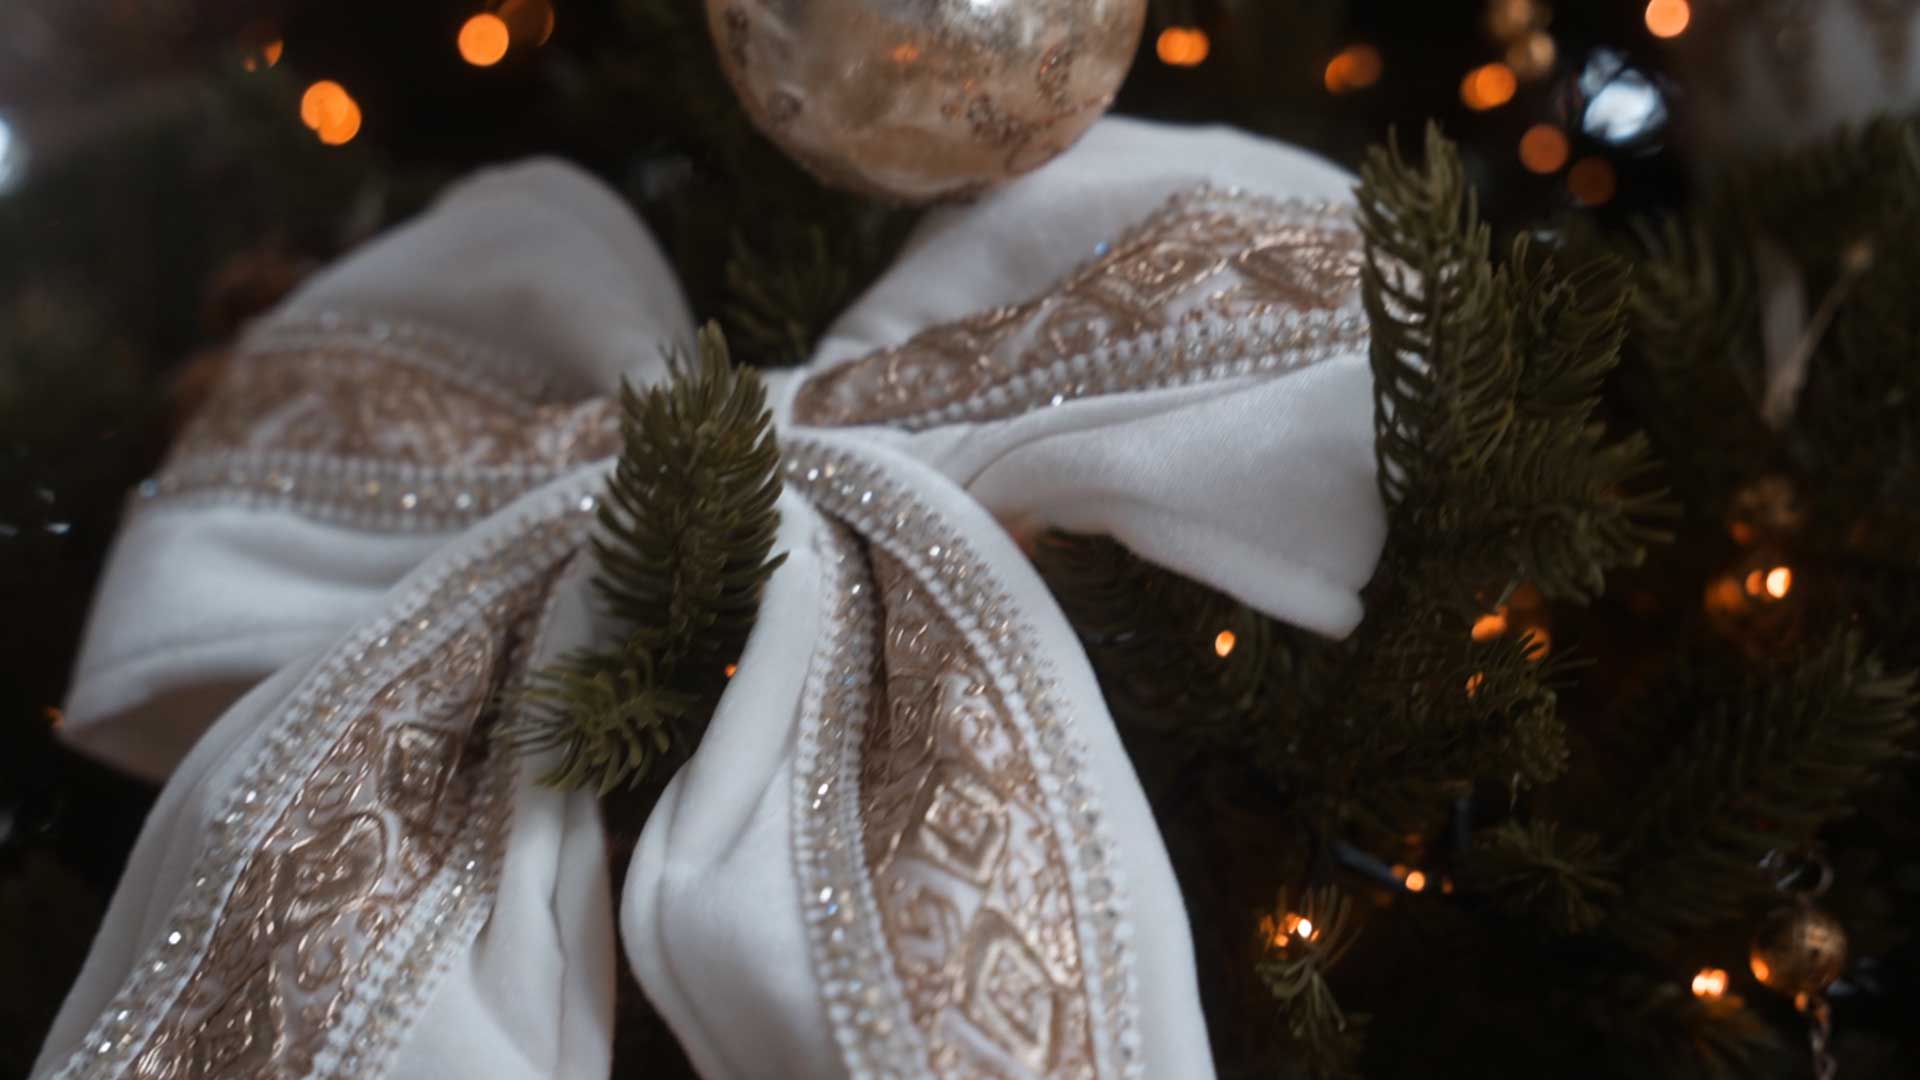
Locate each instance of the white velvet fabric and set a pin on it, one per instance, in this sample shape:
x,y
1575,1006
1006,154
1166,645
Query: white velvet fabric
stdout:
x,y
536,262
1261,485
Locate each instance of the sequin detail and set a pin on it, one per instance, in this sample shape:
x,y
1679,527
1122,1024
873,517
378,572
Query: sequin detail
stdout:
x,y
320,912
378,425
1215,284
964,908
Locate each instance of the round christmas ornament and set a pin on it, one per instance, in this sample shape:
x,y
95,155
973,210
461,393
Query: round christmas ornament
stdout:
x,y
1800,949
924,99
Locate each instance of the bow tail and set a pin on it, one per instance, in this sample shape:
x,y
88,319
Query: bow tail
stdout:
x,y
968,850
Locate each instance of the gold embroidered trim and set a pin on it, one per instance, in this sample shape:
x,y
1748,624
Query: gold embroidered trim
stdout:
x,y
379,426
963,905
321,912
1215,284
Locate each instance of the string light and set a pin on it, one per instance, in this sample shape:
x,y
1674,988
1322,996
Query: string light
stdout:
x,y
1544,149
1779,582
483,40
1668,18
527,20
1711,983
1416,881
267,57
1223,643
1355,67
1281,932
331,112
1491,625
1474,682
1592,181
1760,969
13,155
1182,46
1532,56
1508,19
1488,86
731,668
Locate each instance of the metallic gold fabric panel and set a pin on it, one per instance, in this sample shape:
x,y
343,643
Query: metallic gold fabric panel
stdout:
x,y
1221,259
971,881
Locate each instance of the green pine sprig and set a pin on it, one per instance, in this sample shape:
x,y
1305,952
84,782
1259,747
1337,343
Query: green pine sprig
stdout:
x,y
688,527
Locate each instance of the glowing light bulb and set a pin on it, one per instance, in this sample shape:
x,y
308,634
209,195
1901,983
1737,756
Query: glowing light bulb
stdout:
x,y
1416,881
1490,626
1223,643
1543,149
1592,181
1355,67
1183,46
331,112
483,40
1488,87
1668,18
1779,581
1711,983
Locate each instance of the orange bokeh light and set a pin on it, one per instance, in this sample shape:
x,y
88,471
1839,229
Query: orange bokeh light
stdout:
x,y
1490,626
1779,582
331,112
905,53
1592,181
1474,682
484,39
1416,881
1488,86
1709,983
1544,149
731,669
1355,67
1668,18
1223,643
1183,46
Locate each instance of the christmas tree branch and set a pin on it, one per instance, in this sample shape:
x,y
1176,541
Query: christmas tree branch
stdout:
x,y
688,526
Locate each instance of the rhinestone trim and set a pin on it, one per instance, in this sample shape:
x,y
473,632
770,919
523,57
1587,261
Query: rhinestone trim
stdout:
x,y
356,493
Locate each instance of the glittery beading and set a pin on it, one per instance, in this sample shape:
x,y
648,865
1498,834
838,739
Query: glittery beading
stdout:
x,y
964,907
379,425
323,908
1215,284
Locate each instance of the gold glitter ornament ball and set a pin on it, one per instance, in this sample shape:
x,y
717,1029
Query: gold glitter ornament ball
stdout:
x,y
1799,950
924,99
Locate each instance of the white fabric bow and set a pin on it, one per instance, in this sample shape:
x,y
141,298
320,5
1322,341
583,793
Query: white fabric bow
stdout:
x,y
910,843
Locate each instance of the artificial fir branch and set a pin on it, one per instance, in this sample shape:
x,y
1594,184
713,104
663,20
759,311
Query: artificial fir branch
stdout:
x,y
1767,763
1529,869
1301,941
1486,388
688,526
1495,471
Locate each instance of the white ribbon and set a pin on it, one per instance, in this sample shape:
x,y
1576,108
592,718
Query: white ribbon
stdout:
x,y
331,886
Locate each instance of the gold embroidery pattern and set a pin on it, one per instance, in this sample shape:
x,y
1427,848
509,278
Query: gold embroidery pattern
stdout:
x,y
321,911
378,426
971,881
1215,284
963,905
